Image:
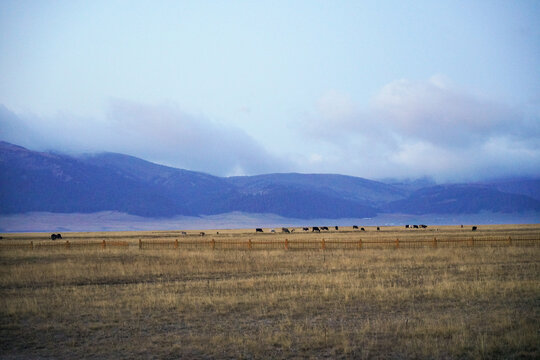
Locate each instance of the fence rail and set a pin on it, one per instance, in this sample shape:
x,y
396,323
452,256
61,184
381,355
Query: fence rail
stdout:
x,y
286,244
324,244
64,245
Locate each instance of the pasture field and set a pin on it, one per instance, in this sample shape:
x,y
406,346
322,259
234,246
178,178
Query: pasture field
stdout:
x,y
454,302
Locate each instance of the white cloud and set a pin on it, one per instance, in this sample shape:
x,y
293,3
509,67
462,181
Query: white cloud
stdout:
x,y
162,134
433,128
410,129
435,112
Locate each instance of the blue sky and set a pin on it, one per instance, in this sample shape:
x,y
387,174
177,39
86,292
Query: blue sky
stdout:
x,y
446,89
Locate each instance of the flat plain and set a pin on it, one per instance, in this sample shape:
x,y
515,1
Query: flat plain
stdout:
x,y
456,300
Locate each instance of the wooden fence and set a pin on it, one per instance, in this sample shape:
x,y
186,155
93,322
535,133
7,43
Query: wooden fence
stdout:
x,y
286,244
329,244
50,245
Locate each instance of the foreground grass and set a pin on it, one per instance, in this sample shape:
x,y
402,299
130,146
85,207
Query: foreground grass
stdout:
x,y
407,303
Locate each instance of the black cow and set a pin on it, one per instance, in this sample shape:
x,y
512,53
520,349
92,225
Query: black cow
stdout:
x,y
305,229
423,226
378,228
474,228
415,226
406,226
362,229
324,228
355,227
202,233
285,230
56,236
336,227
316,229
258,230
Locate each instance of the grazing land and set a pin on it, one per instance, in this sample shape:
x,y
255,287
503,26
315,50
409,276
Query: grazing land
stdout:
x,y
461,301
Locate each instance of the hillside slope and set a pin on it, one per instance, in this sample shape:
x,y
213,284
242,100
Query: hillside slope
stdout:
x,y
48,182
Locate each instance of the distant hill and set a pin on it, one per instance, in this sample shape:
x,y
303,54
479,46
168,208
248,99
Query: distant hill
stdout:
x,y
527,187
462,199
113,182
48,182
352,188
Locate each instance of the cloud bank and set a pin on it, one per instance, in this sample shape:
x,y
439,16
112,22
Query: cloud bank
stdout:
x,y
427,128
409,129
162,134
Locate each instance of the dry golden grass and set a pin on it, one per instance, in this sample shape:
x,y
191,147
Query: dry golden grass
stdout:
x,y
377,303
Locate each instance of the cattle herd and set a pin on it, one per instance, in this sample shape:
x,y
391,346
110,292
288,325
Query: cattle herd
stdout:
x,y
317,229
313,229
355,227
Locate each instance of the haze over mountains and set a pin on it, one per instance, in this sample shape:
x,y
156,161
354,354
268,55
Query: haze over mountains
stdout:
x,y
47,182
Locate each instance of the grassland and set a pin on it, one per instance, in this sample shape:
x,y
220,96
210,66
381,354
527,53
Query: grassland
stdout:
x,y
445,302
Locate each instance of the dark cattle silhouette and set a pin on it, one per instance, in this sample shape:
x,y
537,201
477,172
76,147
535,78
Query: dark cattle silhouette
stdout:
x,y
474,228
56,236
324,228
378,228
406,226
184,233
336,227
362,229
258,230
201,233
316,228
462,226
285,230
423,226
415,226
355,227
273,230
305,229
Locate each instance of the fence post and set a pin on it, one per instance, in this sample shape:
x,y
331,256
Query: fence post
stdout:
x,y
323,244
213,244
509,240
140,244
67,244
103,244
32,245
434,242
397,243
286,244
360,244
176,243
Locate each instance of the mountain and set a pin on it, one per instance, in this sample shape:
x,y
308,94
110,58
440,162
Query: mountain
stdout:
x,y
351,188
48,182
527,187
59,183
462,199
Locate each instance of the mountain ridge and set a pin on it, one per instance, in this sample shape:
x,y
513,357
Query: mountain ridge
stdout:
x,y
45,181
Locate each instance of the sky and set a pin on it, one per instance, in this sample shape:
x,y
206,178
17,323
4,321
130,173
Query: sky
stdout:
x,y
378,89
